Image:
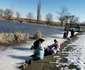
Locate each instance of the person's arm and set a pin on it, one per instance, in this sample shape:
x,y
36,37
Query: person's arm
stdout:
x,y
52,44
58,45
35,52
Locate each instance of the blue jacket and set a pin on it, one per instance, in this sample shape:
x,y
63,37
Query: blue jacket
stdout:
x,y
39,53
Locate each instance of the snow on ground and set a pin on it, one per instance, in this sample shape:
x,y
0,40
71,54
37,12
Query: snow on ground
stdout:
x,y
14,56
77,55
11,58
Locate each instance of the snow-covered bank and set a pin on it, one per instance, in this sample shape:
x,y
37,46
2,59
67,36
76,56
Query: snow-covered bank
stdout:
x,y
11,58
14,56
77,55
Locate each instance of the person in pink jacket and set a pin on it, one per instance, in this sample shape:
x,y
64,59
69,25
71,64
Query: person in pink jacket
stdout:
x,y
55,46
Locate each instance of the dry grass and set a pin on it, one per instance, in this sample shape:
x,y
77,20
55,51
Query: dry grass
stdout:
x,y
37,35
44,22
13,38
35,21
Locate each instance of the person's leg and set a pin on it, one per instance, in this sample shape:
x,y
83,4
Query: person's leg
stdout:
x,y
46,52
28,61
36,58
49,52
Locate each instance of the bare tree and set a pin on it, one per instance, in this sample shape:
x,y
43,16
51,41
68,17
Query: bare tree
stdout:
x,y
30,16
17,14
38,12
49,18
63,12
66,19
73,19
1,12
8,13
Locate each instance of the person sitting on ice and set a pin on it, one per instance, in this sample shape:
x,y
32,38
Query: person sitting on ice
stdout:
x,y
56,45
38,52
54,48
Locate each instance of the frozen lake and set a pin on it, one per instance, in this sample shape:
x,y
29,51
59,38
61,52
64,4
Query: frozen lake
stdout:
x,y
10,26
14,56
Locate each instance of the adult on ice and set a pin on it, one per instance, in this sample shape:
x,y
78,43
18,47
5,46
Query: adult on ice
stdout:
x,y
72,33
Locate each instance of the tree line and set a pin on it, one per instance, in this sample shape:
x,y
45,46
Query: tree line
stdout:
x,y
64,16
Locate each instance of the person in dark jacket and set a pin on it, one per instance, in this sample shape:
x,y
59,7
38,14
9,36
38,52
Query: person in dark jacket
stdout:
x,y
36,44
65,34
72,33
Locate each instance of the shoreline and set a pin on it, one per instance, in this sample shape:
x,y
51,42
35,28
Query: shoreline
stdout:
x,y
44,63
17,55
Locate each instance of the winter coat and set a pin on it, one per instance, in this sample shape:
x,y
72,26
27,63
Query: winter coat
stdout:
x,y
56,45
39,52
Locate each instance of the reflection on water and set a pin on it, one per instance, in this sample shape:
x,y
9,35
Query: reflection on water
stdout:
x,y
10,26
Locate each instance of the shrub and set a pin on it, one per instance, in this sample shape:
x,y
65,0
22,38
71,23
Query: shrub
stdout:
x,y
12,38
37,35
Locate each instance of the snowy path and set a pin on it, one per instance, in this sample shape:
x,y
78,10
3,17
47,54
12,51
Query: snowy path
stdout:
x,y
11,58
77,55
